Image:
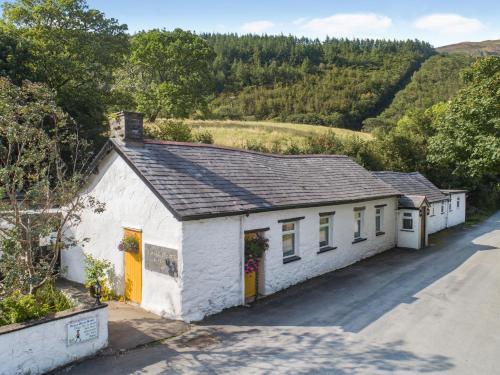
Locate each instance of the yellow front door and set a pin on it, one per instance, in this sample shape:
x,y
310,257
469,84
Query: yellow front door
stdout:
x,y
250,284
133,269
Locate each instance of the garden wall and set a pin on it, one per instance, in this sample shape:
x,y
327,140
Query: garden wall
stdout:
x,y
43,345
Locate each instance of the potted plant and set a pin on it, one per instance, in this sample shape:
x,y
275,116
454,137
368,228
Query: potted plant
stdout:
x,y
130,244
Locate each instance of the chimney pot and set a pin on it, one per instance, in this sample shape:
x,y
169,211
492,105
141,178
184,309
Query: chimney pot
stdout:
x,y
128,127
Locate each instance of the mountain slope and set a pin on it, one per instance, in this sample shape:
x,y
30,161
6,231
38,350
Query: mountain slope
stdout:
x,y
335,82
487,47
437,80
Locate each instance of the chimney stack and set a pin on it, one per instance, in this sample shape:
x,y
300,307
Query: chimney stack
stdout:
x,y
128,127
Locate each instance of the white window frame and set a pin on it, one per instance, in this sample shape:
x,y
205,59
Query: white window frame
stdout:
x,y
407,216
294,232
361,213
379,214
329,226
442,207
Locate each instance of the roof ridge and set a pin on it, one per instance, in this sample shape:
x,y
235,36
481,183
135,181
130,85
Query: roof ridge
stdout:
x,y
226,148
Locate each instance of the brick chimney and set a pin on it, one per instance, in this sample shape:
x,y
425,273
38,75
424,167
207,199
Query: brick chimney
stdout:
x,y
128,127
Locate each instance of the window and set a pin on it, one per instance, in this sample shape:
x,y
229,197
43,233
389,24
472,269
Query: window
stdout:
x,y
433,210
289,239
358,224
458,202
442,207
408,221
325,231
379,220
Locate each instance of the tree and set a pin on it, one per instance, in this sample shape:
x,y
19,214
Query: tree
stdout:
x,y
171,73
14,57
74,50
39,200
404,147
468,133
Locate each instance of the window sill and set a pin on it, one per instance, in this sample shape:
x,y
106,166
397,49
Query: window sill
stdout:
x,y
291,259
379,233
325,249
407,230
359,240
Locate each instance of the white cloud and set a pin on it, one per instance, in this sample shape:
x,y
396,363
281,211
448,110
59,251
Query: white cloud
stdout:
x,y
299,21
448,23
257,26
348,24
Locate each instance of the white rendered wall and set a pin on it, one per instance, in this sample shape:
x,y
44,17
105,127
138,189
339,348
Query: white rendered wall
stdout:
x,y
438,221
213,252
129,203
212,266
43,347
409,238
456,215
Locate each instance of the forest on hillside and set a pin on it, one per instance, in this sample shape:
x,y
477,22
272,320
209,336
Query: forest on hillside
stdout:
x,y
438,80
336,82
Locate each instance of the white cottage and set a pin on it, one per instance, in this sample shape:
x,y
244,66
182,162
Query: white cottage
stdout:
x,y
424,208
190,207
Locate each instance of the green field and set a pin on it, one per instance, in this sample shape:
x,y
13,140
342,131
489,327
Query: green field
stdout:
x,y
241,133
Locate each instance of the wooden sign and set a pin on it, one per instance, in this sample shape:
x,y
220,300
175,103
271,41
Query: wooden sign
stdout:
x,y
160,259
82,330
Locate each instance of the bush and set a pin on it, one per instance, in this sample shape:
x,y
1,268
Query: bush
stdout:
x,y
95,270
170,130
18,308
98,270
204,136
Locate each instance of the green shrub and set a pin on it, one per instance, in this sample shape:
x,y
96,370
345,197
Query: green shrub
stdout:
x,y
170,130
95,270
18,308
204,136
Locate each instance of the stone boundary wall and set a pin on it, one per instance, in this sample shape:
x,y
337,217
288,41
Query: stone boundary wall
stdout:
x,y
43,345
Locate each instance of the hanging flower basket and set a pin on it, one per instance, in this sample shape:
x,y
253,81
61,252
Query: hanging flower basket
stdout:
x,y
129,244
254,250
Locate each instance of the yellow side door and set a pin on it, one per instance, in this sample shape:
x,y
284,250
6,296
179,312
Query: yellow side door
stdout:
x,y
133,269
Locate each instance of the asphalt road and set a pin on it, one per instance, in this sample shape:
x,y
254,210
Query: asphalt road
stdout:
x,y
405,312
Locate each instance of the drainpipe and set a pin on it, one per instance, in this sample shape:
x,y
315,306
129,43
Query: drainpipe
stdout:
x,y
242,260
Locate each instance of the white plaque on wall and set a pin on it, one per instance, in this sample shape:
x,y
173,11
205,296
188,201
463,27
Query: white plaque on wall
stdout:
x,y
82,330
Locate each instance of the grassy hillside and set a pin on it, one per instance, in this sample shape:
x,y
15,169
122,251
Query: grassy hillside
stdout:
x,y
264,134
437,80
487,47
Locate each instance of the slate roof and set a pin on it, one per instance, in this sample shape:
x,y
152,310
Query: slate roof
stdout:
x,y
412,184
199,181
411,201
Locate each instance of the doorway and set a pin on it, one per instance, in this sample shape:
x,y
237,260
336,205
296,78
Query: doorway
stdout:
x,y
423,223
133,268
255,246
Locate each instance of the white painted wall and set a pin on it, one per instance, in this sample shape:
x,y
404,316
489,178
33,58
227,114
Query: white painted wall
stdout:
x,y
438,220
129,203
212,266
457,214
43,347
409,238
213,252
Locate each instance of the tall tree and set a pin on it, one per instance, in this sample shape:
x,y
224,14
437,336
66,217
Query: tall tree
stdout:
x,y
39,189
74,50
171,73
468,133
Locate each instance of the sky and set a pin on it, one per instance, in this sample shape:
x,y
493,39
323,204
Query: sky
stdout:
x,y
439,22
